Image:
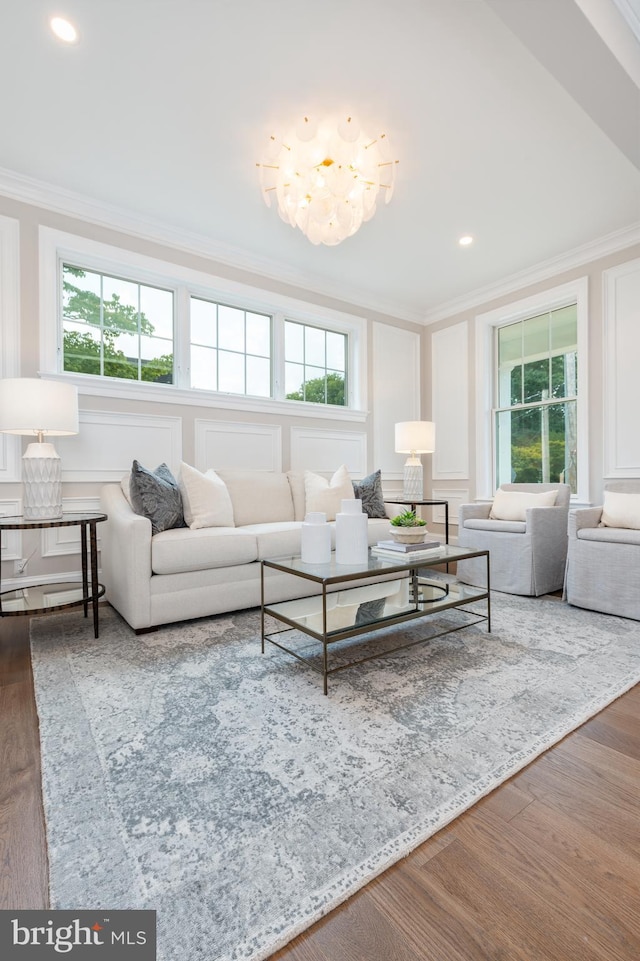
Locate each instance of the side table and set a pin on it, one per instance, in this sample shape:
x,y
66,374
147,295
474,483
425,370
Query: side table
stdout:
x,y
43,598
413,504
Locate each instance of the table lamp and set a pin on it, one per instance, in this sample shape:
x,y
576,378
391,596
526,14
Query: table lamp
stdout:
x,y
414,437
40,408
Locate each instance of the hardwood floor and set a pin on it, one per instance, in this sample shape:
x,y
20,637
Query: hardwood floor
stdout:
x,y
546,868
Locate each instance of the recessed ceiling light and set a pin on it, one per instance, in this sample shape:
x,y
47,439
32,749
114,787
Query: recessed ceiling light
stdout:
x,y
63,29
465,241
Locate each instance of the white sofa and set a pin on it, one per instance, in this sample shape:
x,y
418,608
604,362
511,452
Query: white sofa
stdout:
x,y
180,574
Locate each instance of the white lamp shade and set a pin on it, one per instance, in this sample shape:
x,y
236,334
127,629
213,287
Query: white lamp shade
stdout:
x,y
29,405
415,435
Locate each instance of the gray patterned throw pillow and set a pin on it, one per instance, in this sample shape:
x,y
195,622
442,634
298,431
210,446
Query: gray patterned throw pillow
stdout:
x,y
155,494
369,491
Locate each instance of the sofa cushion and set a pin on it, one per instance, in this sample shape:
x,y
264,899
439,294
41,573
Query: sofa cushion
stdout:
x,y
276,539
205,498
512,505
296,483
258,497
621,510
155,495
327,495
369,491
182,550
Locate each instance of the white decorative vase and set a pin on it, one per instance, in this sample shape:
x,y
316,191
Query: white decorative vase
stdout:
x,y
352,544
315,539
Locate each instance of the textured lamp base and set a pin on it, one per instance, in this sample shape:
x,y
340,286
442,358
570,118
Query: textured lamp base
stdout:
x,y
42,479
412,481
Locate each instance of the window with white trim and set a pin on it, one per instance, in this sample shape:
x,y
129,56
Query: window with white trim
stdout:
x,y
536,405
315,364
122,324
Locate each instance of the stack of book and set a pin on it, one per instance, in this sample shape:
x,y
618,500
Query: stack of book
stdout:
x,y
421,551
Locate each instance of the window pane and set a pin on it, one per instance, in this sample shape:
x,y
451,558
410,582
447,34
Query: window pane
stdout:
x,y
230,328
203,322
81,349
536,336
156,306
259,335
293,342
336,351
336,388
203,368
258,376
81,295
314,346
120,291
564,328
231,372
157,360
294,381
536,381
510,343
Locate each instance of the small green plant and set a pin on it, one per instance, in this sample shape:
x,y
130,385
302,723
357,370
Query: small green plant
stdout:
x,y
408,519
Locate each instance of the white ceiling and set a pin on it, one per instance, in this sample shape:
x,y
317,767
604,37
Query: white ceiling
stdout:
x,y
513,121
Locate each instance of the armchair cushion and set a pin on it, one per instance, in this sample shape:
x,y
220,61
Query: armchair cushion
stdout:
x,y
511,505
621,510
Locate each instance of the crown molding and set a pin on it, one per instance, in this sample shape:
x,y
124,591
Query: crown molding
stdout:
x,y
60,200
546,270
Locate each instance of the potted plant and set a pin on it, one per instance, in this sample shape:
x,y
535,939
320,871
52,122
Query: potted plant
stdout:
x,y
407,528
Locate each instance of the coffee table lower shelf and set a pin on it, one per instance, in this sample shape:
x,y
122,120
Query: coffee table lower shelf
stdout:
x,y
331,616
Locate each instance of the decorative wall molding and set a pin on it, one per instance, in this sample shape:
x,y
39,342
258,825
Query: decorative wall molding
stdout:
x,y
547,270
11,540
450,402
226,445
323,451
396,375
10,447
456,496
110,440
56,541
621,294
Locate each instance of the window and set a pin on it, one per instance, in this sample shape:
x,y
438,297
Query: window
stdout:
x,y
230,349
315,364
122,324
116,328
536,428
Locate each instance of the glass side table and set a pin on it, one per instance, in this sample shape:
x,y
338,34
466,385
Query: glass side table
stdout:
x,y
43,598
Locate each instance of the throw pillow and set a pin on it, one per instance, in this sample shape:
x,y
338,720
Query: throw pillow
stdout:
x,y
369,491
327,495
512,505
155,494
206,500
621,510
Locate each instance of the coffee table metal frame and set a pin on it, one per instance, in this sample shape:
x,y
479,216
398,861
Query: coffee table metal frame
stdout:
x,y
377,569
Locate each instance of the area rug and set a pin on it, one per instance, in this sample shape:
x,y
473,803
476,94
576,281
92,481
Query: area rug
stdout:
x,y
186,772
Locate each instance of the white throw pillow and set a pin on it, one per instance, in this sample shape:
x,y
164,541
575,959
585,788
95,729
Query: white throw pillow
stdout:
x,y
621,510
511,505
125,485
327,496
205,499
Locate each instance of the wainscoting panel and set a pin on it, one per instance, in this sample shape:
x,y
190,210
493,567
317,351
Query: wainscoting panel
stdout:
x,y
10,447
450,402
323,451
455,497
396,393
109,441
11,540
225,445
622,349
66,540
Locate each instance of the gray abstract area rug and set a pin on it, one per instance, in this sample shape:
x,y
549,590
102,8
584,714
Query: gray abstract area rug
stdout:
x,y
185,772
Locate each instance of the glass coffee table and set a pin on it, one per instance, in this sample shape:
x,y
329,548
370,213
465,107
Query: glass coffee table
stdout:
x,y
352,600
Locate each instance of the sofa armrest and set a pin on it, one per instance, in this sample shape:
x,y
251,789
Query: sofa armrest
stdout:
x,y
476,511
583,517
126,558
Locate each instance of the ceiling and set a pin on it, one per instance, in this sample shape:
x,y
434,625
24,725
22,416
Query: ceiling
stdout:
x,y
515,122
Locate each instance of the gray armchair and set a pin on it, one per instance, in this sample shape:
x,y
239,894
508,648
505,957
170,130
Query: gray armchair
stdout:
x,y
603,563
526,557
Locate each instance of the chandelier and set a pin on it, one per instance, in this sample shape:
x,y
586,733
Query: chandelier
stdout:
x,y
326,177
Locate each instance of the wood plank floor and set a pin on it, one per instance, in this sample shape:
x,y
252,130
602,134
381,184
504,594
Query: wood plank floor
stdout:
x,y
546,868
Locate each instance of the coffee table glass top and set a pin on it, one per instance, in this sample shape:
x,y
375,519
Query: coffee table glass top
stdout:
x,y
333,572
